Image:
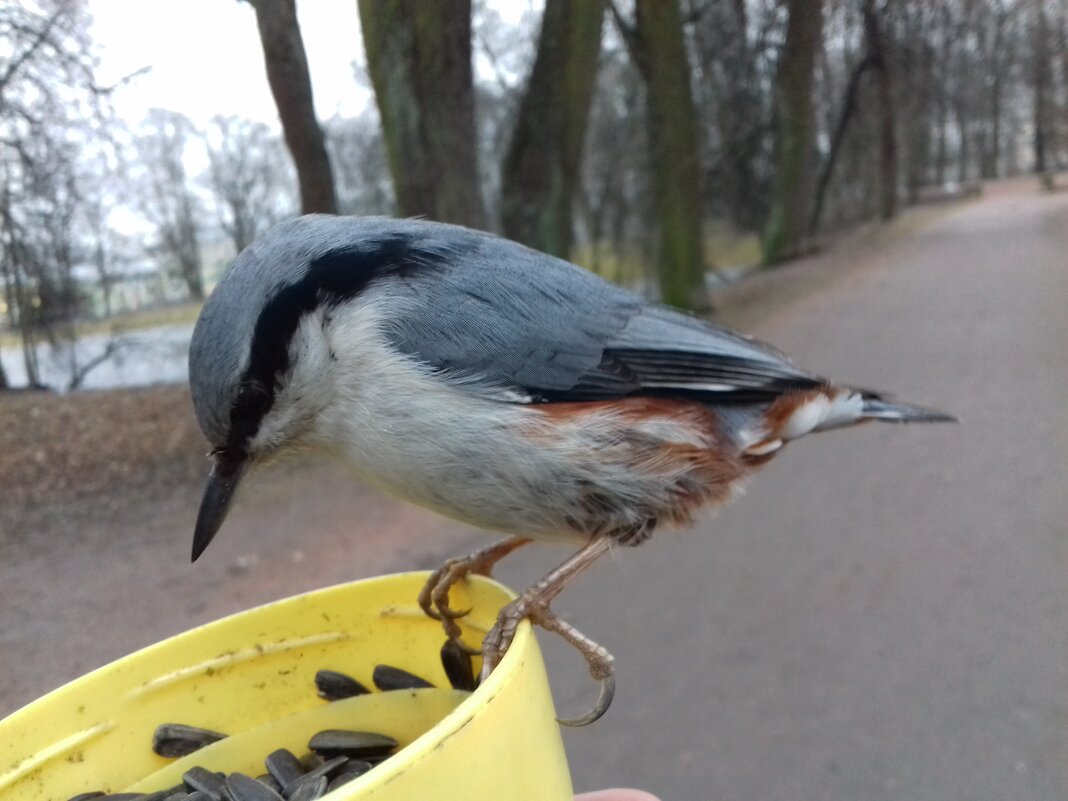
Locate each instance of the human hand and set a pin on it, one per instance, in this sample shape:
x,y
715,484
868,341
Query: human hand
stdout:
x,y
617,795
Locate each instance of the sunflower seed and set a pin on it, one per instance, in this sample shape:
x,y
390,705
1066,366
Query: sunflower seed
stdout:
x,y
334,686
357,744
284,766
457,664
178,740
308,789
353,770
203,780
86,796
387,677
326,770
178,791
245,788
270,781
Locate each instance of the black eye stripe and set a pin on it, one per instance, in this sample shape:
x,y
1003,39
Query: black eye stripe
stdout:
x,y
330,279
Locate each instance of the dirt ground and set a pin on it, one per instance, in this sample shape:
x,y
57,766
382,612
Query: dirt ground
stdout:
x,y
882,617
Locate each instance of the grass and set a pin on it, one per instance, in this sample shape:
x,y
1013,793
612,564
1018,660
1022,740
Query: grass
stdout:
x,y
725,248
122,323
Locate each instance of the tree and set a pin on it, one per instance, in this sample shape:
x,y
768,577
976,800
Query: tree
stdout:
x,y
543,164
614,192
419,60
1041,70
881,63
792,189
732,42
656,44
166,196
359,154
247,172
287,73
52,113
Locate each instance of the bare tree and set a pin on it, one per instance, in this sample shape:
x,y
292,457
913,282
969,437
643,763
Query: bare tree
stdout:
x,y
359,155
507,50
656,43
1041,80
542,168
878,51
791,196
419,60
51,112
614,197
249,175
734,44
167,199
287,73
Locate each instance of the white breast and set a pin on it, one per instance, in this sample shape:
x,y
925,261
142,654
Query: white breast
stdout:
x,y
471,456
425,439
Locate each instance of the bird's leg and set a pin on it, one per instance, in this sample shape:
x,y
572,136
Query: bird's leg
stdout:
x,y
534,604
434,597
601,664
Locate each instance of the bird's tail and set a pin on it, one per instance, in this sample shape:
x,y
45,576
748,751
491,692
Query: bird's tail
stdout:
x,y
878,408
795,414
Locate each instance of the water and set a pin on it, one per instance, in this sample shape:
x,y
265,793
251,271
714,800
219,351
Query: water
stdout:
x,y
152,356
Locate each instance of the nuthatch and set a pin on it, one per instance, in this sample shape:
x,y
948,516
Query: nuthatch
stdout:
x,y
496,385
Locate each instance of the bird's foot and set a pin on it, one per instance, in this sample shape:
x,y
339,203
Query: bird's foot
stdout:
x,y
534,604
434,597
536,609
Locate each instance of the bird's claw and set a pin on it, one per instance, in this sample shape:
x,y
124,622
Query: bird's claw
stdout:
x,y
600,661
604,700
434,597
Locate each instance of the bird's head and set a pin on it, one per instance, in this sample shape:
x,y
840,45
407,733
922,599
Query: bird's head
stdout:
x,y
310,294
260,365
250,379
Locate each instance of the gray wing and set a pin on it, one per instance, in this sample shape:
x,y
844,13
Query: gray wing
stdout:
x,y
496,315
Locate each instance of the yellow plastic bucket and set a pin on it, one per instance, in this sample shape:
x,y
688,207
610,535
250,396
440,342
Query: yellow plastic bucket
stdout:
x,y
251,676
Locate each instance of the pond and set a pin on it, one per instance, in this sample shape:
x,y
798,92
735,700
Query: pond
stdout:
x,y
150,356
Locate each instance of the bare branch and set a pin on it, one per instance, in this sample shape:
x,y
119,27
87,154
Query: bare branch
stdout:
x,y
39,39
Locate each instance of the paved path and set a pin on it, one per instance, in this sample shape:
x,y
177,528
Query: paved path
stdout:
x,y
883,616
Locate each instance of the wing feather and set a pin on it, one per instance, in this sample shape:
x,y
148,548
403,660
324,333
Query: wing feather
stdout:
x,y
494,315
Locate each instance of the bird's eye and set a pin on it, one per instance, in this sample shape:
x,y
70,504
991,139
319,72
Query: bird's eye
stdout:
x,y
253,399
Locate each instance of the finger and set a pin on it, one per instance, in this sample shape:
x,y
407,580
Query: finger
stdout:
x,y
617,795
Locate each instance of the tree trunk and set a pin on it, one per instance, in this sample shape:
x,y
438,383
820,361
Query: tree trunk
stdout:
x,y
542,168
287,73
995,127
964,165
887,116
845,116
419,59
792,187
943,63
673,151
941,149
1040,50
1000,66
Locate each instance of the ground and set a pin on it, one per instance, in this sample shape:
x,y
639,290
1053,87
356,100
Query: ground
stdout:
x,y
883,616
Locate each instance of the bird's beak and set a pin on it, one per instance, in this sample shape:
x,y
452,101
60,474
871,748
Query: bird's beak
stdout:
x,y
222,484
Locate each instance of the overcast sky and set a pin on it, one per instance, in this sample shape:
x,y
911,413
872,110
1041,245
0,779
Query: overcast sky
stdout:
x,y
205,55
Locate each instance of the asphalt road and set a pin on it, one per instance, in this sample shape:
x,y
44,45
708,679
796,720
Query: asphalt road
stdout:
x,y
884,615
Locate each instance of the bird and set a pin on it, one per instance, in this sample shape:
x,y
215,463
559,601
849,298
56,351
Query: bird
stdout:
x,y
498,386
